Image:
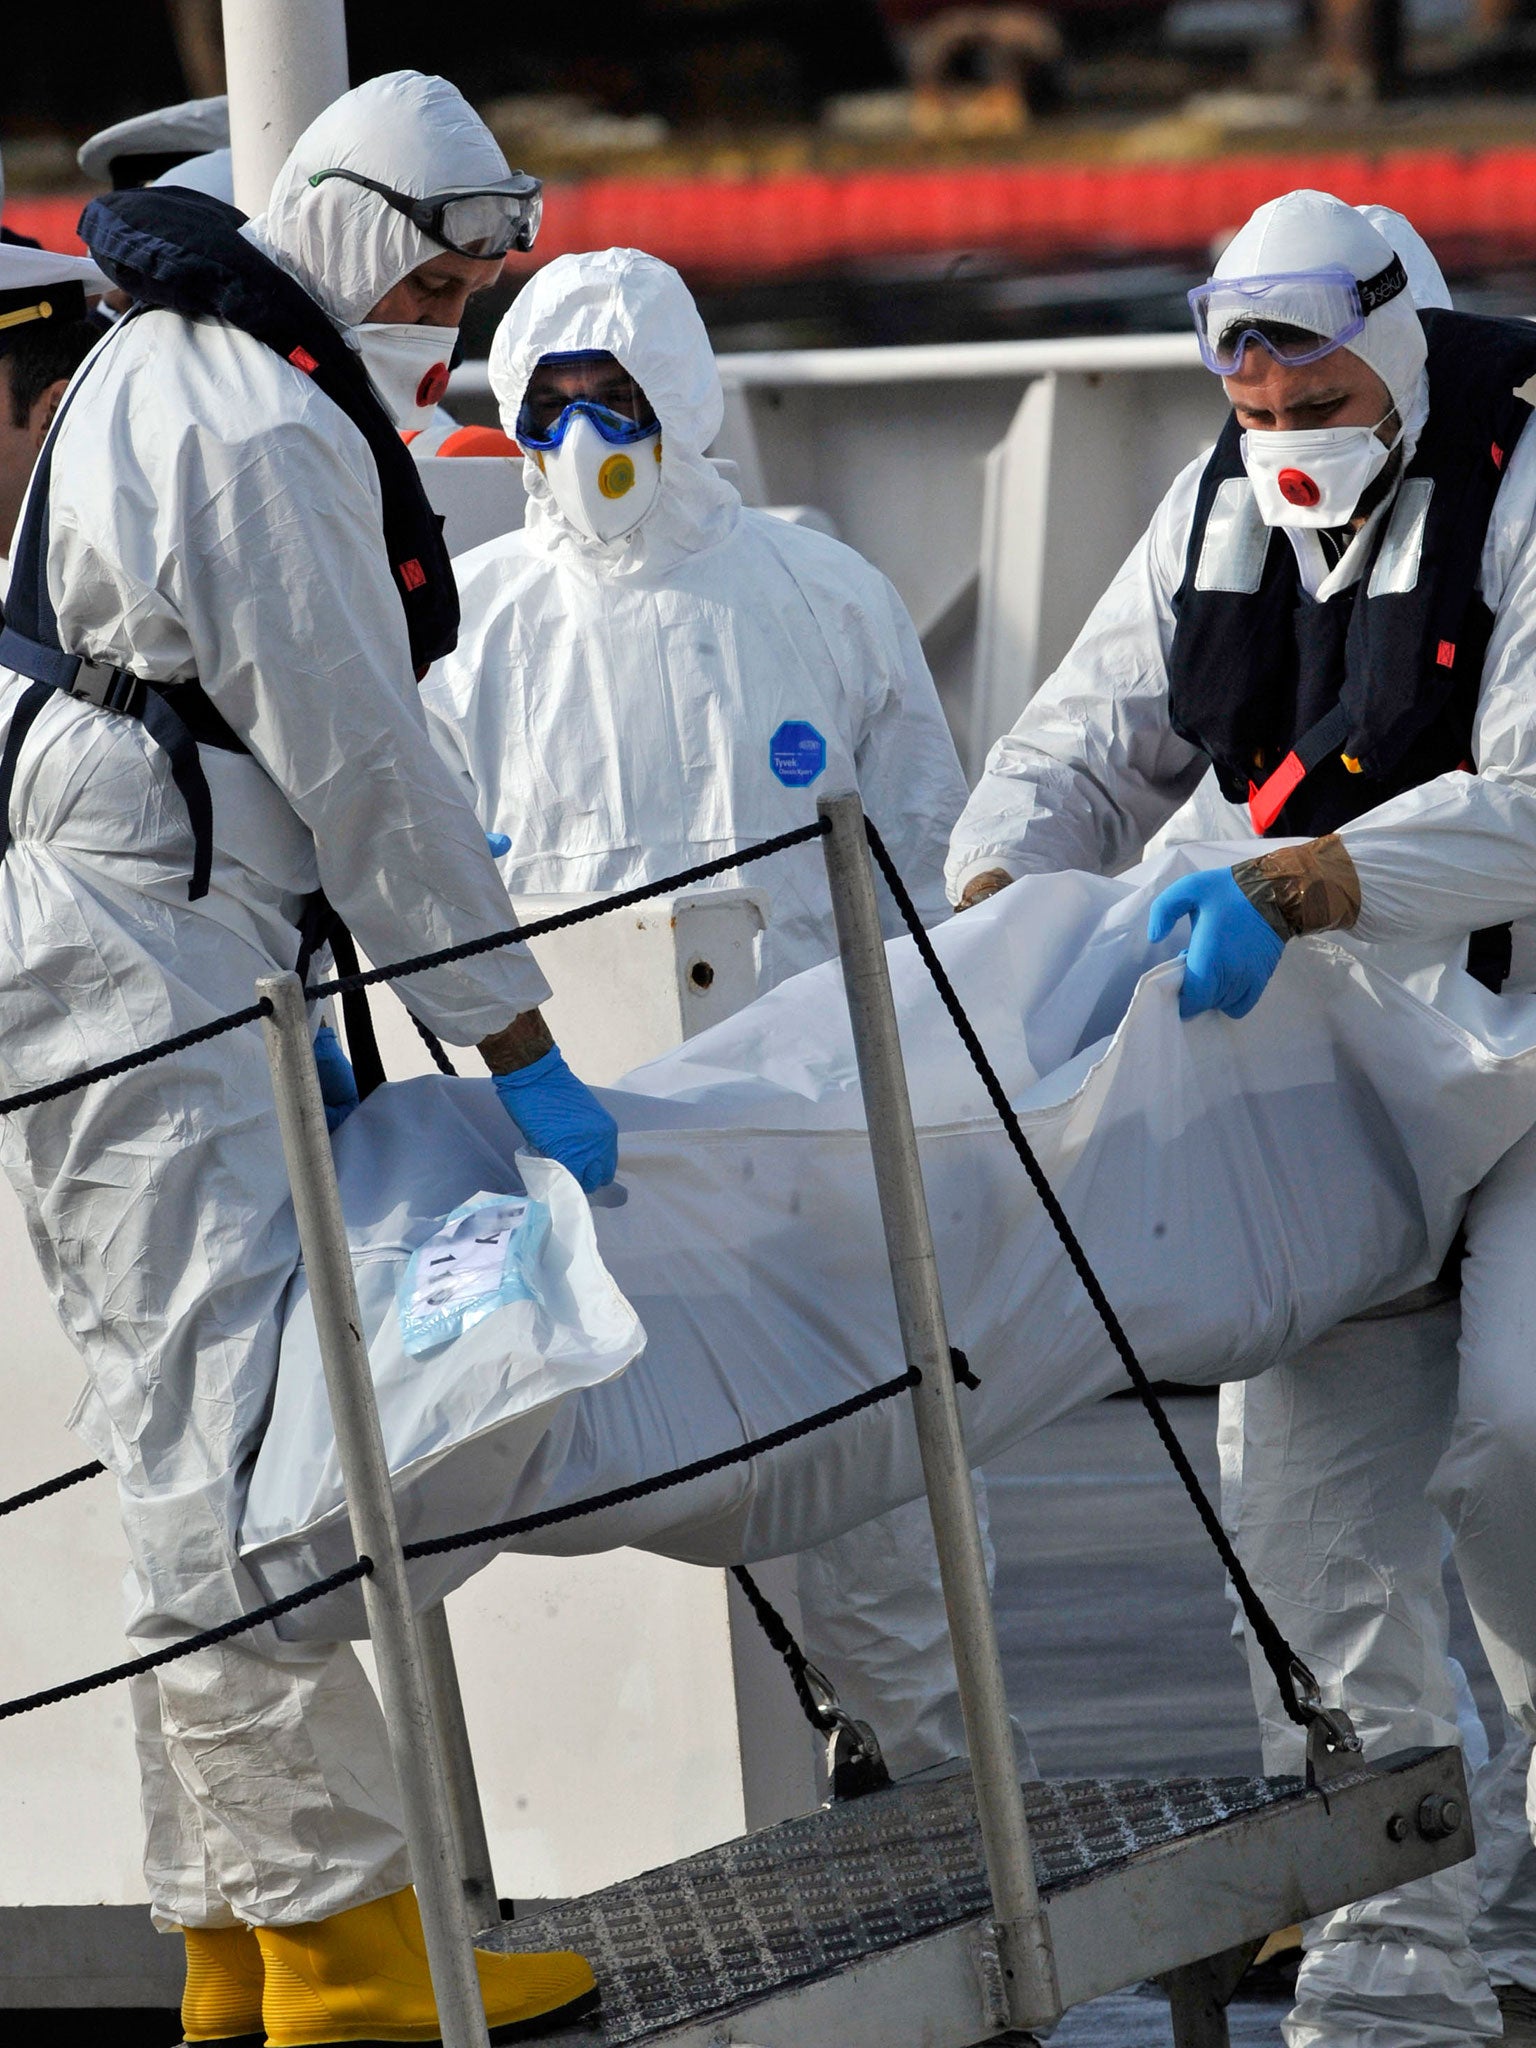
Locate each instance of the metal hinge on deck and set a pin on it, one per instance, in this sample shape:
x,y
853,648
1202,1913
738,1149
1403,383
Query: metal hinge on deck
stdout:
x,y
855,1764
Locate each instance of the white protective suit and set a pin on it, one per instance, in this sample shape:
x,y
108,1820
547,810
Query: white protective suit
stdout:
x,y
213,514
632,687
612,705
1091,771
1362,1582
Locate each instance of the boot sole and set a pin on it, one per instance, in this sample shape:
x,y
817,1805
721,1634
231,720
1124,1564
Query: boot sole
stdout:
x,y
557,2016
514,2030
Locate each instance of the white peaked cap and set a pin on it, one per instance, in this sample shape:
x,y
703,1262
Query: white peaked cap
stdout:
x,y
26,270
346,245
213,173
1311,231
193,126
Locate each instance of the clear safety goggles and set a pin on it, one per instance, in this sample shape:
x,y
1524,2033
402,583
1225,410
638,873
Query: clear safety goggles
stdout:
x,y
472,220
584,384
1298,316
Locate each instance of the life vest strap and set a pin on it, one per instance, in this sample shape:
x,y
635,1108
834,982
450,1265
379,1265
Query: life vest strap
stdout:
x,y
1268,799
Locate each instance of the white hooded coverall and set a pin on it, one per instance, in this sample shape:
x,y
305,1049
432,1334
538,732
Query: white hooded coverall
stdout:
x,y
611,706
613,702
1360,1580
1344,1444
214,514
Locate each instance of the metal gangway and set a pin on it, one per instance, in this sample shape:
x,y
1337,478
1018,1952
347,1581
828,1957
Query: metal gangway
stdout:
x,y
941,1913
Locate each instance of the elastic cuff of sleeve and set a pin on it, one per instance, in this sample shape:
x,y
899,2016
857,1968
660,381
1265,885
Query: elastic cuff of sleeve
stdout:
x,y
1301,889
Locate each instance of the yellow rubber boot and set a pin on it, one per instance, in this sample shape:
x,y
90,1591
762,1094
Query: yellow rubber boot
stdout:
x,y
222,2002
362,1977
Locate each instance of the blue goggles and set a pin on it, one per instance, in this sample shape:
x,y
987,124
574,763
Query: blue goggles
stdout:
x,y
613,426
585,384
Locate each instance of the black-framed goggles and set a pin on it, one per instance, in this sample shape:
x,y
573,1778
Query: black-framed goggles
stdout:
x,y
1297,316
482,221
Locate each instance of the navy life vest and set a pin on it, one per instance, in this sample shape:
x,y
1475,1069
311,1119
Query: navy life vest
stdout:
x,y
1314,713
182,251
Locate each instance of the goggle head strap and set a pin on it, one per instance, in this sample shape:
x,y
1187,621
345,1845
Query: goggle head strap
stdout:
x,y
1384,286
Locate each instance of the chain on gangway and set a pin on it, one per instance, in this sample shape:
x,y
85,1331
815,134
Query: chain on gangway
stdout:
x,y
1299,1690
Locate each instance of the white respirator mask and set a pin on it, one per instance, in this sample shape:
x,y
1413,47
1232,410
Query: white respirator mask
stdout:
x,y
409,367
1314,476
604,491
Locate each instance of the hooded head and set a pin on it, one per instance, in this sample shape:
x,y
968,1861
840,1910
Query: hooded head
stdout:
x,y
1426,281
1308,232
346,245
639,310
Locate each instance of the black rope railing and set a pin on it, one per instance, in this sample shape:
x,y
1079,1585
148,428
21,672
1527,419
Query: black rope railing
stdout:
x,y
562,920
494,1532
240,1625
1299,1689
781,1638
421,963
435,1047
435,1546
50,1487
162,1049
642,1489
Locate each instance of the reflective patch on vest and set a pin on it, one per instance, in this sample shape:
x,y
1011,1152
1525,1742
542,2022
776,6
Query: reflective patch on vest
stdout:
x,y
1236,541
1396,569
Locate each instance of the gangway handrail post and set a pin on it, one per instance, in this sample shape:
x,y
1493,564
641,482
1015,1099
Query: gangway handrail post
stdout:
x,y
1023,1936
475,1868
407,1700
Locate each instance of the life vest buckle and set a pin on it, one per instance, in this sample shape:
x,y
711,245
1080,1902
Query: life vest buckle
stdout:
x,y
110,689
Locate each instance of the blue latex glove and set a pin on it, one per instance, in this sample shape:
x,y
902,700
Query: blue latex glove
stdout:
x,y
1231,953
562,1118
338,1085
499,844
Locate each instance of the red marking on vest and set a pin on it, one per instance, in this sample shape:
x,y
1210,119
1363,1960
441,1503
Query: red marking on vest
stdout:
x,y
1445,654
1297,488
301,359
1265,804
412,574
1498,455
432,385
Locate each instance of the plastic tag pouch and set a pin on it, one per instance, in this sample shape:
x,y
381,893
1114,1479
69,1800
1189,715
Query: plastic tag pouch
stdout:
x,y
478,1261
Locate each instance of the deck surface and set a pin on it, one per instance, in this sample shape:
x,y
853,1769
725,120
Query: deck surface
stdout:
x,y
792,1904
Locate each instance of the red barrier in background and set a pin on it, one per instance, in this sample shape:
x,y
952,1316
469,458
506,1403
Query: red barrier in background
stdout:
x,y
759,227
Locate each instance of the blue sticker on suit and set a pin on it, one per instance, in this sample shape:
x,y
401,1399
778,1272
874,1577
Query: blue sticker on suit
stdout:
x,y
797,754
